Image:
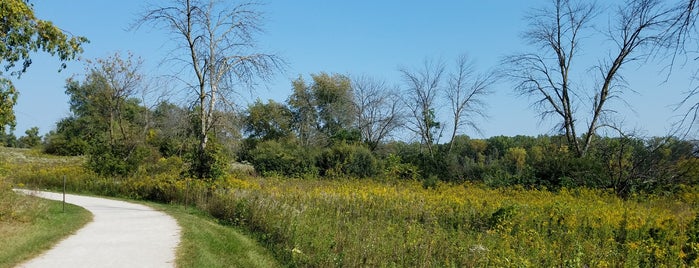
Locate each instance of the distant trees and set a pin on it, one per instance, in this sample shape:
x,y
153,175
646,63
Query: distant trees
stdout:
x,y
22,34
221,55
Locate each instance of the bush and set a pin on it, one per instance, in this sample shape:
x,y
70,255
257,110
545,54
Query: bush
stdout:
x,y
212,163
283,158
117,160
349,160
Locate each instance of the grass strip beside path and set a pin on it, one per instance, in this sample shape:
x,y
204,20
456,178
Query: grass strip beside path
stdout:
x,y
34,225
207,243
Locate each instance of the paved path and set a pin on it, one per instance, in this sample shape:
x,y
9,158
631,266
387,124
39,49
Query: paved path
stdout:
x,y
121,234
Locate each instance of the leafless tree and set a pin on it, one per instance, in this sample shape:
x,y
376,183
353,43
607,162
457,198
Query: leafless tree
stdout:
x,y
422,87
219,40
680,39
465,92
377,108
557,31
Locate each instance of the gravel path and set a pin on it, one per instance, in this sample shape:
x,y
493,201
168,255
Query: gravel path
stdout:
x,y
121,234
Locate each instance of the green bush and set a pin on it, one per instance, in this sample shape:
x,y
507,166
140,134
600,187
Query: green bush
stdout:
x,y
283,158
349,160
212,163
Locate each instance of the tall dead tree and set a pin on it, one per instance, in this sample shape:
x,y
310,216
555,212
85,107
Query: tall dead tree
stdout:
x,y
378,109
219,49
547,75
422,87
465,92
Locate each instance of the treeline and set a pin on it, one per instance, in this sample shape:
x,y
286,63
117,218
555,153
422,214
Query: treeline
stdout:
x,y
337,127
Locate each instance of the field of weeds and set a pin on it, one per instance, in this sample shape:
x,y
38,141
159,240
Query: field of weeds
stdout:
x,y
350,222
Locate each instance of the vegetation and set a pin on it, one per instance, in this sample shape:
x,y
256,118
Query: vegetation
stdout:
x,y
319,181
31,225
22,33
207,243
391,221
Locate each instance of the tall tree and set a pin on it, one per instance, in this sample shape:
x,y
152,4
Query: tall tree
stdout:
x,y
107,115
322,109
303,108
547,75
22,33
268,121
378,109
219,40
465,92
680,39
333,99
422,87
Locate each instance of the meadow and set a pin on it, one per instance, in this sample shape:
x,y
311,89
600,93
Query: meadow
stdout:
x,y
29,225
389,222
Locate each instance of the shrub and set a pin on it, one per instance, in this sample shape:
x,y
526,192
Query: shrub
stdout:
x,y
211,164
349,160
283,158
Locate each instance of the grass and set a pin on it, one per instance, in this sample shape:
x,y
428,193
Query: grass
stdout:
x,y
30,225
206,243
398,223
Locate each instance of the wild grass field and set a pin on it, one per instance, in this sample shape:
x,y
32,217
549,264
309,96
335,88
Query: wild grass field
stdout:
x,y
29,225
352,222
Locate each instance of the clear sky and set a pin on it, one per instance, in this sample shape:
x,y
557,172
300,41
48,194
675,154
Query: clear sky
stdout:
x,y
361,37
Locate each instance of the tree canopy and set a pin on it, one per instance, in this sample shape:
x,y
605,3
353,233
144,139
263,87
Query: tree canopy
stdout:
x,y
22,33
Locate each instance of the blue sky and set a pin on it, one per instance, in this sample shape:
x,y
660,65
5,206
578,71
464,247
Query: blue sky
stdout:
x,y
373,38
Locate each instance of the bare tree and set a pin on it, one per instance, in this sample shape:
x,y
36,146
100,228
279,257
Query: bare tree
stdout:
x,y
377,108
219,41
422,87
558,31
465,92
679,38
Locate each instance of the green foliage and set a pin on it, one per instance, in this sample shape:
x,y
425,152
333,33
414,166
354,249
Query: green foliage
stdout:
x,y
8,98
22,34
270,121
31,138
117,160
210,164
347,160
323,111
395,168
283,158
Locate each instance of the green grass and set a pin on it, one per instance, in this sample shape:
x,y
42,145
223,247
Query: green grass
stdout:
x,y
206,243
30,226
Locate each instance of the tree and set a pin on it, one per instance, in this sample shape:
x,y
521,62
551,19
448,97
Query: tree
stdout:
x,y
219,41
377,108
303,108
22,33
679,38
270,121
172,129
422,87
106,118
548,75
465,91
322,110
31,138
333,99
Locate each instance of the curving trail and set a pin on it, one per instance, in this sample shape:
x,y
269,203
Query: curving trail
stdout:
x,y
121,234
